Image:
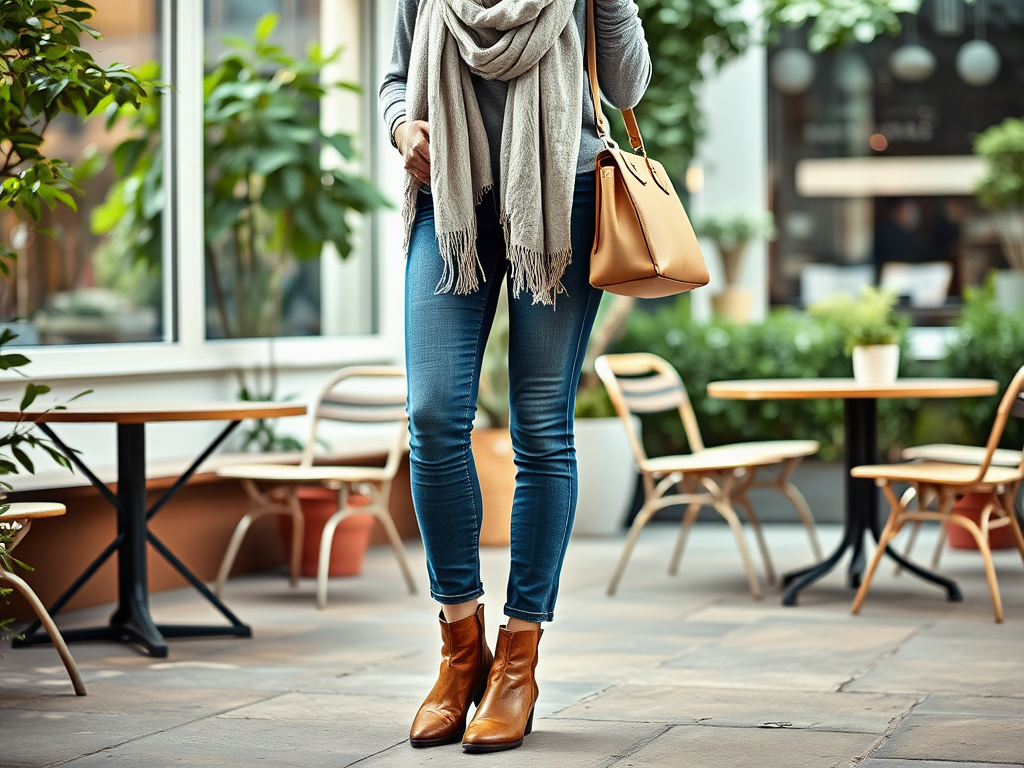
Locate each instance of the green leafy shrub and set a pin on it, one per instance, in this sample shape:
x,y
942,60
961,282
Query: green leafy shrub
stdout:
x,y
989,345
786,345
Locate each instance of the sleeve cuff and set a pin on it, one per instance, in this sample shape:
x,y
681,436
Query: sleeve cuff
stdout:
x,y
395,122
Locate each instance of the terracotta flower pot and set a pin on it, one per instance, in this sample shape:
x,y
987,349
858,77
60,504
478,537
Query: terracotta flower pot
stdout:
x,y
970,506
351,539
492,454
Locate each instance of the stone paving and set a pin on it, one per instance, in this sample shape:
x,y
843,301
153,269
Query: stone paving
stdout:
x,y
673,671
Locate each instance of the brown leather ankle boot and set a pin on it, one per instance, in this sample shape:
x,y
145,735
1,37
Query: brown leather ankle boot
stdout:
x,y
465,662
505,716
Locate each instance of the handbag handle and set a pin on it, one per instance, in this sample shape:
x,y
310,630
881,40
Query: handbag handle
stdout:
x,y
636,141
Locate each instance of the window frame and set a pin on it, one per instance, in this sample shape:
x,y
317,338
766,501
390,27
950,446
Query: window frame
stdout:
x,y
186,348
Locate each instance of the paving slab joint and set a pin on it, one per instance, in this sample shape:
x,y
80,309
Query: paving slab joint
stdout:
x,y
632,750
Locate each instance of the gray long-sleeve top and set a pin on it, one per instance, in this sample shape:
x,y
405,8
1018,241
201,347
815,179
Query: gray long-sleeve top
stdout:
x,y
623,73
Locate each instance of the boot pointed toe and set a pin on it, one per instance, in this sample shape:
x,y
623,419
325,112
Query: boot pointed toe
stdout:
x,y
505,715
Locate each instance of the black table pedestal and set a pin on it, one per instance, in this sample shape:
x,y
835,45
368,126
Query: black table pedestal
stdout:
x,y
861,513
131,622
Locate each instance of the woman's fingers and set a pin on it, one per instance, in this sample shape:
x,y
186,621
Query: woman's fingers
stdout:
x,y
417,151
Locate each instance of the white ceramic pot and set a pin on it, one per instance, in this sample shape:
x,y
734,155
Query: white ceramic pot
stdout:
x,y
607,474
876,364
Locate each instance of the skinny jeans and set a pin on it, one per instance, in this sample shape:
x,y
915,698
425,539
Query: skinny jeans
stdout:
x,y
445,336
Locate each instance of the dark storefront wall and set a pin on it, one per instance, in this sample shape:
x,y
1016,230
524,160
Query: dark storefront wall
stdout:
x,y
863,212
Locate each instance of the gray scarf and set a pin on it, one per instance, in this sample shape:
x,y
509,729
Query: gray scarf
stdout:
x,y
533,45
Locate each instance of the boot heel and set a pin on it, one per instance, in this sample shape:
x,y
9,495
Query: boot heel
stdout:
x,y
529,724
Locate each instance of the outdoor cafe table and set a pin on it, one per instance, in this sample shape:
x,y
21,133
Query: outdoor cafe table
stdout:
x,y
861,447
132,622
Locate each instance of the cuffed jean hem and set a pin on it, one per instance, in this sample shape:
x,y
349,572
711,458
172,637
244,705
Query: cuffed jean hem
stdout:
x,y
457,599
514,613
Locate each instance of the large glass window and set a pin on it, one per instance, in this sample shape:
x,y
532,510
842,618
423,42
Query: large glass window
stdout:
x,y
269,268
871,156
76,281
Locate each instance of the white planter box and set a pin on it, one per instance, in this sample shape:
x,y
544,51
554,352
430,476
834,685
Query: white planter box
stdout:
x,y
607,476
1009,285
877,364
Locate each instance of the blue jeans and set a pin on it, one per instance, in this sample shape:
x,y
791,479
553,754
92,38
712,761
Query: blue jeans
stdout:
x,y
445,335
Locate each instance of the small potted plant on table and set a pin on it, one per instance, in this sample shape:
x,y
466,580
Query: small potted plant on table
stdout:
x,y
872,332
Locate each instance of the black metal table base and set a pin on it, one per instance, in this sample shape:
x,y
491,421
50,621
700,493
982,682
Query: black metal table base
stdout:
x,y
132,622
861,515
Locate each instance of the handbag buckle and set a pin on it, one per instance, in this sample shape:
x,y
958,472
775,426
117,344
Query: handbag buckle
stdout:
x,y
609,142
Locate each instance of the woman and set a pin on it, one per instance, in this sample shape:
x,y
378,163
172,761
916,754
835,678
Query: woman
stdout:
x,y
487,100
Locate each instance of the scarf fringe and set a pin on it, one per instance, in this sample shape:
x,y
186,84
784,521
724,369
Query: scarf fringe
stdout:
x,y
463,271
534,271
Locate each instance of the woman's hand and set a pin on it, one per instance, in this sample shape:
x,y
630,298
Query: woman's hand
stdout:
x,y
413,140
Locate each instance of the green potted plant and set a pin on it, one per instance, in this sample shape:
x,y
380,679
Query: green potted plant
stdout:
x,y
871,329
731,232
1001,190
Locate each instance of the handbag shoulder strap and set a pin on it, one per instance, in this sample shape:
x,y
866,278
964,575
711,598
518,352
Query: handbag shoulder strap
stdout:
x,y
636,141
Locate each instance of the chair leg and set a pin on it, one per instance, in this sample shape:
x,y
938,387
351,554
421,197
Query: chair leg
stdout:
x,y
744,502
51,630
940,546
799,503
1018,535
384,516
645,514
233,546
892,527
915,528
298,537
324,561
692,510
720,501
986,555
908,496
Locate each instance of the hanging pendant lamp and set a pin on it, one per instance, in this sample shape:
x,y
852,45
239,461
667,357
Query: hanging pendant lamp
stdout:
x,y
912,62
792,70
978,62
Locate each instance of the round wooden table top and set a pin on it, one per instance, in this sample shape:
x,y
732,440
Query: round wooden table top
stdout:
x,y
142,413
31,510
809,389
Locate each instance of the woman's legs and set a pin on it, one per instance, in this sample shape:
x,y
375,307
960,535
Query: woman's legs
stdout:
x,y
546,350
445,337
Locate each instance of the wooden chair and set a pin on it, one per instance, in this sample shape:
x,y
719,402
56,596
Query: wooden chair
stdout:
x,y
645,383
953,454
337,403
21,516
946,481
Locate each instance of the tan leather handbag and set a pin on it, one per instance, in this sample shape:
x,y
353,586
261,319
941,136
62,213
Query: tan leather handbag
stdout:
x,y
643,245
